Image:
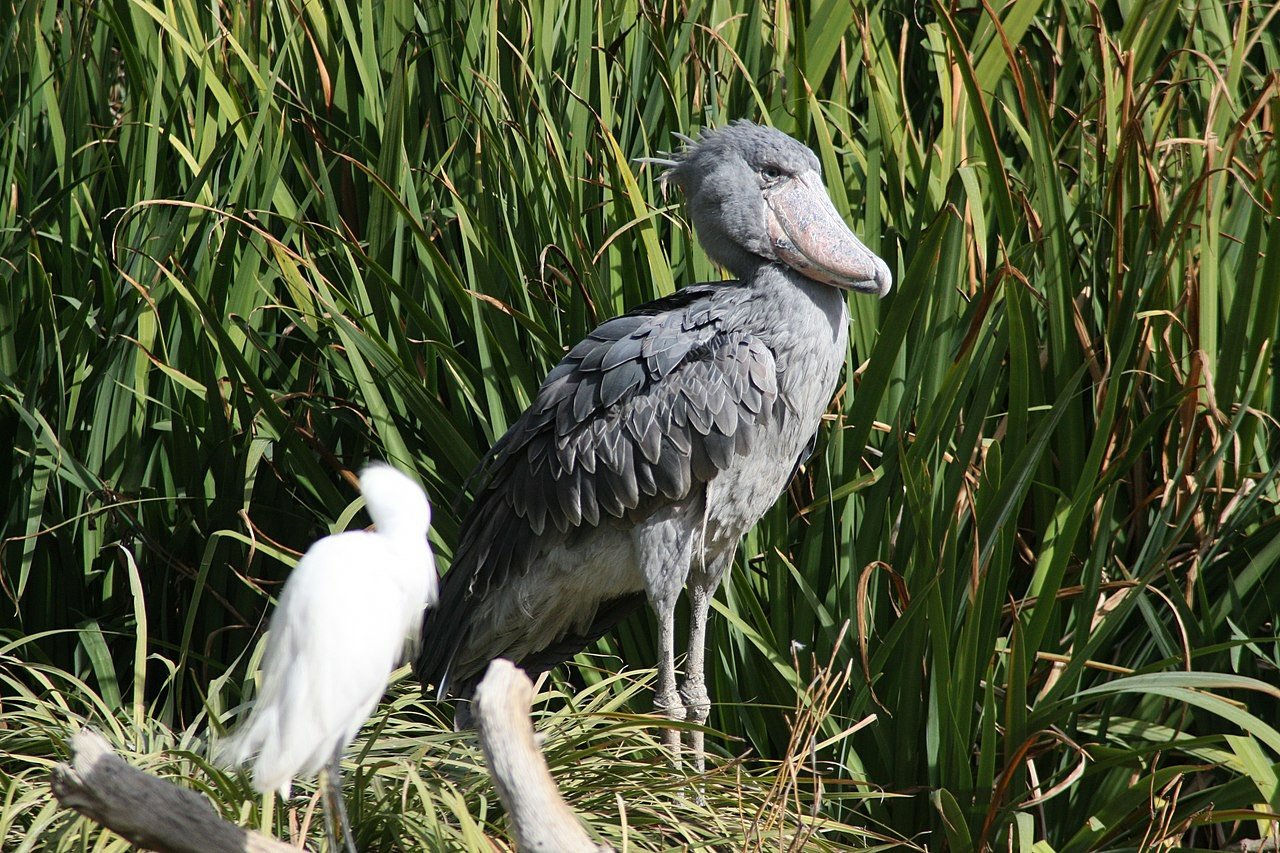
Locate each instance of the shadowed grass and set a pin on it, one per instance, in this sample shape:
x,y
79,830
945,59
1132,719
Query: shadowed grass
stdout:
x,y
414,784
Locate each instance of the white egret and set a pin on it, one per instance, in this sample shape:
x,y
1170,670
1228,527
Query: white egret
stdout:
x,y
337,633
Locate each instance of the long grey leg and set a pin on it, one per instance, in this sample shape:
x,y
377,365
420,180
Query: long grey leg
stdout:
x,y
697,702
663,544
666,699
335,806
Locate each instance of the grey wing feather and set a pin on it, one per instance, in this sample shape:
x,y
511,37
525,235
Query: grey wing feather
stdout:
x,y
655,389
649,405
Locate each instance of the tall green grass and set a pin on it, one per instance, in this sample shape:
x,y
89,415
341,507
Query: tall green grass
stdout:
x,y
246,247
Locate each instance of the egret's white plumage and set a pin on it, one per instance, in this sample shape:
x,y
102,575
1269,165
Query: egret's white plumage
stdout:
x,y
337,633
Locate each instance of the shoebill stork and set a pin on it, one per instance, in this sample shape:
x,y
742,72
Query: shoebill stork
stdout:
x,y
660,439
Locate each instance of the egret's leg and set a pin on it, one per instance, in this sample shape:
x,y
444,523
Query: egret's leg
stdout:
x,y
666,699
335,807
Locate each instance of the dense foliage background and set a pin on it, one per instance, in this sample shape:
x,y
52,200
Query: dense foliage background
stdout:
x,y
247,246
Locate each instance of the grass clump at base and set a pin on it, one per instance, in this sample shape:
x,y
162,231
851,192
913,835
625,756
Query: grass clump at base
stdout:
x,y
413,783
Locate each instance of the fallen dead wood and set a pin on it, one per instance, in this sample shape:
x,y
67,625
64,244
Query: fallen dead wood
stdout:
x,y
145,810
540,818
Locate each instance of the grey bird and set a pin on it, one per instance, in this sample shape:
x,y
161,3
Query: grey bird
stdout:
x,y
661,438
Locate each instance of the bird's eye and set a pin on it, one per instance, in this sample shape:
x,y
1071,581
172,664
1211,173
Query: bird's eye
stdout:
x,y
770,174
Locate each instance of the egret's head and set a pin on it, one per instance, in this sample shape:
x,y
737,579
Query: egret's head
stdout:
x,y
395,503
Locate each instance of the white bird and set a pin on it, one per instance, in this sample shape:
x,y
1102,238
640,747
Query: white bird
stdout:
x,y
337,633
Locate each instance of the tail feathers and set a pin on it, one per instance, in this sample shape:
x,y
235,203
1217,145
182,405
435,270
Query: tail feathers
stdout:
x,y
460,682
607,617
277,753
443,630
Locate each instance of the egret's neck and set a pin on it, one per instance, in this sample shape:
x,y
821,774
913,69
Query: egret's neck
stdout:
x,y
408,540
415,570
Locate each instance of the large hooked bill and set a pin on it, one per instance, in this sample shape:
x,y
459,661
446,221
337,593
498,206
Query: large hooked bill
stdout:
x,y
809,236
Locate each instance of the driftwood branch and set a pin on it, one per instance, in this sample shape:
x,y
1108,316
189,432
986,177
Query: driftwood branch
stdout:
x,y
540,818
145,810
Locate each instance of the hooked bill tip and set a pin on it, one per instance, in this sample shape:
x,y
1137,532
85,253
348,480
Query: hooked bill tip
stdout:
x,y
882,282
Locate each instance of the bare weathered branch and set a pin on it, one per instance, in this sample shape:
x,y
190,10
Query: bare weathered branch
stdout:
x,y
540,818
147,811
